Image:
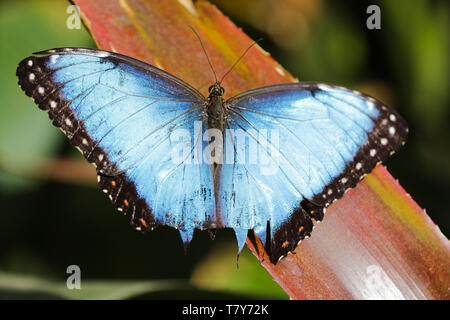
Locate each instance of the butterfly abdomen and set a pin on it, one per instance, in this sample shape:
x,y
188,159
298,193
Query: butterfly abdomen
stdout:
x,y
215,113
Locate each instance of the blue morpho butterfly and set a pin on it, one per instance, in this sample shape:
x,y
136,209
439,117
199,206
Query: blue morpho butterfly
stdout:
x,y
310,142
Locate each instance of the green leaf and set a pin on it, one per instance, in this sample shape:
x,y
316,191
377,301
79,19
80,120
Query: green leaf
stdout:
x,y
30,287
27,139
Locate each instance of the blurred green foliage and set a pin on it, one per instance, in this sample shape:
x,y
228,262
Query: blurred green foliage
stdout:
x,y
46,225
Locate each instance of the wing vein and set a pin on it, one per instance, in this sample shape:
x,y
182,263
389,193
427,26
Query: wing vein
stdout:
x,y
256,140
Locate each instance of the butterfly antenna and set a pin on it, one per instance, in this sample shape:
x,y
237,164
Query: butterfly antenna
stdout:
x,y
203,47
237,61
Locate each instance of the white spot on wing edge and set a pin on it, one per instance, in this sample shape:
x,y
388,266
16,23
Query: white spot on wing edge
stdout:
x,y
189,6
370,105
103,54
323,87
54,58
391,131
30,63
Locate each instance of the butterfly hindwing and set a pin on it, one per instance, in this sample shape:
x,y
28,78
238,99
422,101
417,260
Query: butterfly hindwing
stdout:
x,y
121,113
319,139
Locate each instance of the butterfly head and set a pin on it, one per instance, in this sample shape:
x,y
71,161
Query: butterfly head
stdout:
x,y
216,90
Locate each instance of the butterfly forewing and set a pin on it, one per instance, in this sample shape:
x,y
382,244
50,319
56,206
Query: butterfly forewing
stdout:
x,y
327,139
121,113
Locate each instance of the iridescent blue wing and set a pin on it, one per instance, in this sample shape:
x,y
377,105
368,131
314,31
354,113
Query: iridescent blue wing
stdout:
x,y
121,114
313,142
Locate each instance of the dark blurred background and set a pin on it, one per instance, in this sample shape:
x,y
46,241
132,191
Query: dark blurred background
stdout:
x,y
52,215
